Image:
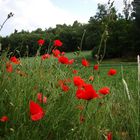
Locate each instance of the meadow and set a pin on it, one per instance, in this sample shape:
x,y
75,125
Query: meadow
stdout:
x,y
35,86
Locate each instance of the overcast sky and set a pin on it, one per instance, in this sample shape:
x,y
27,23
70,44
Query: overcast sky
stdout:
x,y
32,14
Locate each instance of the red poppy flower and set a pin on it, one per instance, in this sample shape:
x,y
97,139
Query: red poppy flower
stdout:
x,y
41,99
80,93
71,61
87,93
4,119
45,56
75,71
64,87
9,67
57,43
61,82
85,63
90,92
40,42
104,90
63,60
36,111
91,78
15,60
78,81
109,136
112,72
63,53
96,67
56,52
82,119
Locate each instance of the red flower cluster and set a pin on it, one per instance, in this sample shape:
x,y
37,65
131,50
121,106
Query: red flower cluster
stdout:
x,y
36,111
78,81
64,87
56,52
85,63
57,43
96,67
86,93
9,67
109,136
74,71
4,119
63,84
45,56
112,72
41,98
71,61
64,60
104,90
41,42
15,60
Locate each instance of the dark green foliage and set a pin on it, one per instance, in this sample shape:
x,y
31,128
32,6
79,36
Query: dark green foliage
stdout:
x,y
122,40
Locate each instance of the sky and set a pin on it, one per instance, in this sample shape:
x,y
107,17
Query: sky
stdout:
x,y
32,14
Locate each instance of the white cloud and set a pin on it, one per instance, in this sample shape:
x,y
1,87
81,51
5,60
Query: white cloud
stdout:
x,y
32,14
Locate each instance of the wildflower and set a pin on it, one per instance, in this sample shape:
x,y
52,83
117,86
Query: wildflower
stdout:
x,y
104,90
36,111
56,52
78,81
63,53
9,67
63,60
82,119
112,72
57,43
64,87
4,119
15,60
71,61
109,136
40,42
80,94
87,93
41,99
60,82
91,78
85,63
96,67
45,56
90,92
74,71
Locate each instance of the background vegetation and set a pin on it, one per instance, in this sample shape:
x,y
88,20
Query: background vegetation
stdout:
x,y
123,34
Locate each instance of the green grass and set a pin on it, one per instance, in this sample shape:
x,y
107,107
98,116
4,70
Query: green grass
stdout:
x,y
113,113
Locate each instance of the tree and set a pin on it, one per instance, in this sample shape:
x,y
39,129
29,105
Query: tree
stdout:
x,y
127,8
136,11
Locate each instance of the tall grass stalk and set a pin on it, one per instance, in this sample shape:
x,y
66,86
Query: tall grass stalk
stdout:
x,y
126,87
138,61
8,17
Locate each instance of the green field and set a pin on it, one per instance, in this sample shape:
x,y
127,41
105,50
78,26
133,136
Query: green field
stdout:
x,y
66,117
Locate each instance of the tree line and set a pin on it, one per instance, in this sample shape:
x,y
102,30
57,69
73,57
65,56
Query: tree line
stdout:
x,y
120,34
